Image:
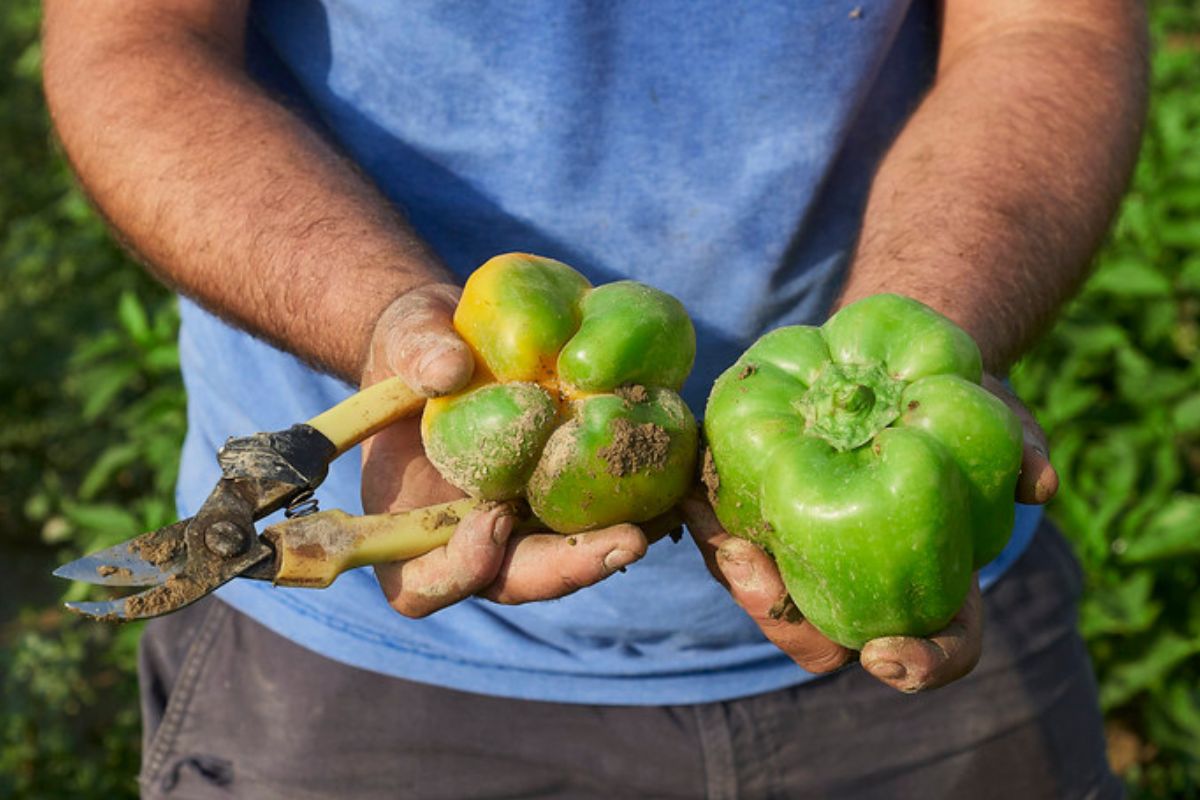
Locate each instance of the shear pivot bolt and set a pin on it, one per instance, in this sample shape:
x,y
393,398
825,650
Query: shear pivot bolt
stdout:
x,y
225,539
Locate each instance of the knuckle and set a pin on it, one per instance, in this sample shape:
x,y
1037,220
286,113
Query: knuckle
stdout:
x,y
822,658
501,595
822,663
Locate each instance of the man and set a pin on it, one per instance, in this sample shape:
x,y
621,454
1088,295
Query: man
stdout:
x,y
763,164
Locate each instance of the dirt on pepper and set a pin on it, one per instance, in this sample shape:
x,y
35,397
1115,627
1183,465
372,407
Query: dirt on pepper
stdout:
x,y
520,440
632,394
635,448
785,609
561,450
709,477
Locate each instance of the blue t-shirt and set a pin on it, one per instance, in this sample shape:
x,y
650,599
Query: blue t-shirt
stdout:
x,y
720,152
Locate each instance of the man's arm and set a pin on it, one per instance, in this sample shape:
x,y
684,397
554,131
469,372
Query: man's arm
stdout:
x,y
222,191
993,200
988,207
232,199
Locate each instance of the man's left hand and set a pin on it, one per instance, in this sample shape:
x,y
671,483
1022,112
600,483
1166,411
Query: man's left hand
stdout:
x,y
909,664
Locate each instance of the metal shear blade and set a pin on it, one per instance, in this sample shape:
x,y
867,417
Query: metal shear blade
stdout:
x,y
260,474
159,559
147,560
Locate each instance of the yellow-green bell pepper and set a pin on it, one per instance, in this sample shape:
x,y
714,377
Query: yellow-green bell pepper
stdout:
x,y
573,404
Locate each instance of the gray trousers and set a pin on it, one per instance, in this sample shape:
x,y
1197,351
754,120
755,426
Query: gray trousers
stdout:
x,y
233,710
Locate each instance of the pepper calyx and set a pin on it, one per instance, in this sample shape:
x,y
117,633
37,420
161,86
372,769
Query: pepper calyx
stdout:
x,y
848,404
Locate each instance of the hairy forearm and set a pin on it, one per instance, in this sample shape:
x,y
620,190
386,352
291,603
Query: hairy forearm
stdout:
x,y
993,200
222,191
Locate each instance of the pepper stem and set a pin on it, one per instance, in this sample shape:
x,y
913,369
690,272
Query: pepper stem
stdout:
x,y
856,399
848,404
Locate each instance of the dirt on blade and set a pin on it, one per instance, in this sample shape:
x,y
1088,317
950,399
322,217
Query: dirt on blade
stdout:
x,y
157,550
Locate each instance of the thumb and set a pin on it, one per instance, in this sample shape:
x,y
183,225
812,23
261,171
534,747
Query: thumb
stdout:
x,y
415,339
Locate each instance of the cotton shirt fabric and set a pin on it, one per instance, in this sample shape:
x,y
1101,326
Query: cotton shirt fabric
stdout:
x,y
719,151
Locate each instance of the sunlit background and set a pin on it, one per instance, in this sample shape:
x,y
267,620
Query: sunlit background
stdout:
x,y
91,418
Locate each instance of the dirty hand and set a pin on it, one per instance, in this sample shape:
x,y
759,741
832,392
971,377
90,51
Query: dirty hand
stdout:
x,y
415,339
905,663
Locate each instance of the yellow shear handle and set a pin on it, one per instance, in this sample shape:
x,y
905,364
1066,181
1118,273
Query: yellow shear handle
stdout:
x,y
367,412
313,550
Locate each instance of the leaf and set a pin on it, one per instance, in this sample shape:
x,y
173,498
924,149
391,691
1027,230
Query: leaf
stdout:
x,y
98,347
1184,235
1124,608
113,522
1189,275
1183,706
1185,417
163,358
1145,382
1092,341
132,317
1182,197
1067,399
102,387
1131,278
1167,652
1076,517
1106,474
111,459
1174,532
1175,716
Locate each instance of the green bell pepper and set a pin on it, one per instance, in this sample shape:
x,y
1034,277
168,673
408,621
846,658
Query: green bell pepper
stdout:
x,y
865,457
574,402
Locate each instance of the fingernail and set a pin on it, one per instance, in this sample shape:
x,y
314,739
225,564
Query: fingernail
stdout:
x,y
618,559
1044,489
888,670
502,528
436,371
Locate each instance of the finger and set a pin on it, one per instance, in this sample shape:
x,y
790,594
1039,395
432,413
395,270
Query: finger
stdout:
x,y
755,584
914,665
706,531
702,521
458,569
542,566
415,339
753,580
1037,481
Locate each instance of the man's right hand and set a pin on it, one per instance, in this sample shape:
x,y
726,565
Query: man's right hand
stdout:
x,y
415,339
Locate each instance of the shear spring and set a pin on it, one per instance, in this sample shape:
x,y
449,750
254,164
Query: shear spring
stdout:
x,y
304,504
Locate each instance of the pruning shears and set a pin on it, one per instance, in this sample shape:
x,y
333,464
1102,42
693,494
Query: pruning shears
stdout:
x,y
261,474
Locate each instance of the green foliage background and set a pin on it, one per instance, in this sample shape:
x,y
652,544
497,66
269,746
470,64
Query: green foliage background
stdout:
x,y
91,420
92,416
1116,384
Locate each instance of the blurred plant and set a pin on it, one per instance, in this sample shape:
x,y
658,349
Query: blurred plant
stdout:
x,y
1117,385
90,429
70,726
